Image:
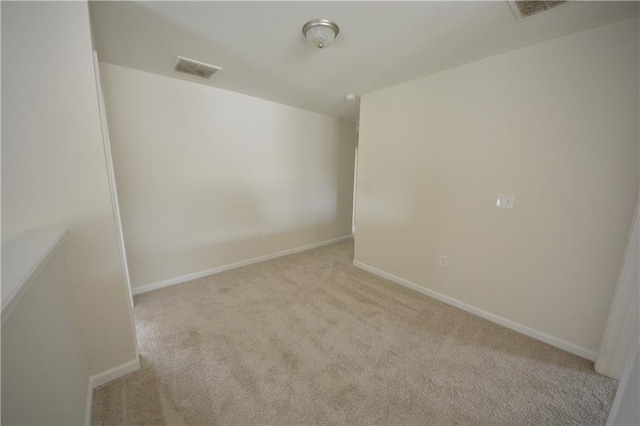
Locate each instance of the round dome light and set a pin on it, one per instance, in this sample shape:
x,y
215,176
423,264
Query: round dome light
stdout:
x,y
320,33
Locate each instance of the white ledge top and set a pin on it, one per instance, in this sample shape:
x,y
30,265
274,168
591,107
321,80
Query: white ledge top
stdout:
x,y
23,257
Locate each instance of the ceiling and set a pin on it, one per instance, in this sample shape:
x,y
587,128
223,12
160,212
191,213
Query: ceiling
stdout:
x,y
263,53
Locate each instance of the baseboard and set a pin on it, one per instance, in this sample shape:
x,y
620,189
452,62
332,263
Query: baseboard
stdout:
x,y
538,335
105,377
177,280
114,373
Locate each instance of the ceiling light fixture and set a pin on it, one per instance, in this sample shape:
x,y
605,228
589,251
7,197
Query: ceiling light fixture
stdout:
x,y
320,33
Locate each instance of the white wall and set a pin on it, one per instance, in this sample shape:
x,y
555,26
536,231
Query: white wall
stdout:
x,y
622,330
204,173
53,164
626,406
44,369
555,124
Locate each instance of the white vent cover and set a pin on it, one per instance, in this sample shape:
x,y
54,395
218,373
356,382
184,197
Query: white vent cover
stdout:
x,y
196,68
524,9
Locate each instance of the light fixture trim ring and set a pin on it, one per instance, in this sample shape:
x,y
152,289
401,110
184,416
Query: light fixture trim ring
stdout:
x,y
320,23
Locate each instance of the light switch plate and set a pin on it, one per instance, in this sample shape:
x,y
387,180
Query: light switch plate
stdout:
x,y
505,201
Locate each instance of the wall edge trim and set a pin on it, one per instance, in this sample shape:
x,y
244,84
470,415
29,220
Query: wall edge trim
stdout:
x,y
620,333
527,331
88,411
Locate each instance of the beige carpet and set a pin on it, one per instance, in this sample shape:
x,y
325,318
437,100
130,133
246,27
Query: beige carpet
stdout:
x,y
309,339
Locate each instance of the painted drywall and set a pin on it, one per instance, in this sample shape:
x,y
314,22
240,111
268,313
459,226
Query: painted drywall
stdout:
x,y
626,410
622,331
53,164
44,369
204,175
556,125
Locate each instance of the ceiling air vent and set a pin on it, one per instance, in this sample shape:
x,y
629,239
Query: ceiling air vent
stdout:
x,y
195,68
524,9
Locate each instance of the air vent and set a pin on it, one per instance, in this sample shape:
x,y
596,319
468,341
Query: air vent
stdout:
x,y
524,9
195,68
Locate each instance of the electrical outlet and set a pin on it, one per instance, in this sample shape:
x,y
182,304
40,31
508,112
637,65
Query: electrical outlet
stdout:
x,y
444,261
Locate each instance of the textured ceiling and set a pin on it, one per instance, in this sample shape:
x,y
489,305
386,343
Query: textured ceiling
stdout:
x,y
263,53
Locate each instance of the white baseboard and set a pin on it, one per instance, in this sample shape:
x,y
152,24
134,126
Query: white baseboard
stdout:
x,y
538,335
114,373
177,280
105,377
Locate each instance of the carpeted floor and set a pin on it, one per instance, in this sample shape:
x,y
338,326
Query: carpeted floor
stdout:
x,y
309,339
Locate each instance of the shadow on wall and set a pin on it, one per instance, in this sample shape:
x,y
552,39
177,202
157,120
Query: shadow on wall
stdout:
x,y
344,175
321,173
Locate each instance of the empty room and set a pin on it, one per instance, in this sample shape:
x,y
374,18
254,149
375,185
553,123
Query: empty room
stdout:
x,y
312,213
